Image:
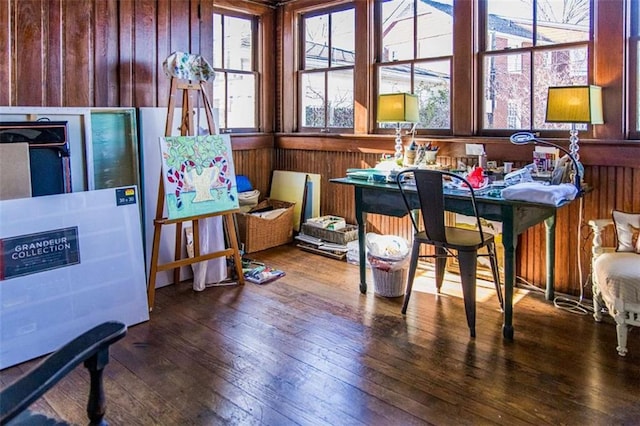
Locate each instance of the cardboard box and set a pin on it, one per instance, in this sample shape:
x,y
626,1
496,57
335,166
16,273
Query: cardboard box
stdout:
x,y
260,233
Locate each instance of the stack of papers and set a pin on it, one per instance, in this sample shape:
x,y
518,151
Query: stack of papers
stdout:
x,y
327,222
321,244
318,246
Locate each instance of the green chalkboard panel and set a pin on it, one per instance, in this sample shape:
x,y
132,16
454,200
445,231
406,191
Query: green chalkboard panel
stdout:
x,y
115,148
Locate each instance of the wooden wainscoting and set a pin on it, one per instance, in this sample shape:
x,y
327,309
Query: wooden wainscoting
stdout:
x,y
612,187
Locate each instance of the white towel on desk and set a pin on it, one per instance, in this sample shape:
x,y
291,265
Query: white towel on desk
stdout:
x,y
537,192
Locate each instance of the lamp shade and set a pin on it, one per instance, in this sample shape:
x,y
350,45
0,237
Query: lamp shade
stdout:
x,y
575,104
398,108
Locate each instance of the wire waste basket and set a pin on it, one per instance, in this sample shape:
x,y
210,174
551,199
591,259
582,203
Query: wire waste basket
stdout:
x,y
389,259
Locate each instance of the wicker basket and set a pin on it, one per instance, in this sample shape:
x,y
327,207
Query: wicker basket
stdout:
x,y
260,233
389,283
340,236
389,277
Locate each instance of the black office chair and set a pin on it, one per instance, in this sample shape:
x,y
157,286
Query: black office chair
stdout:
x,y
465,242
92,348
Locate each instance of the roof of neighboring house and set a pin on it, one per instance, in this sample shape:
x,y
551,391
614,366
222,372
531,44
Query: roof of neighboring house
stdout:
x,y
321,51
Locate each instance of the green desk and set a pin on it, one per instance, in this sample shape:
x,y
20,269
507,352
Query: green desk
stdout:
x,y
516,217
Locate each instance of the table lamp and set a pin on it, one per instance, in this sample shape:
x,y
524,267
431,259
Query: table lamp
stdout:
x,y
398,108
574,104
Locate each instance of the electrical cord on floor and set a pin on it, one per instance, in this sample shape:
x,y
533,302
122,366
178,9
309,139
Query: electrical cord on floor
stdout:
x,y
566,303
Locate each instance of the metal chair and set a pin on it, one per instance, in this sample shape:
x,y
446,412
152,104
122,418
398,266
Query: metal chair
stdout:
x,y
448,241
90,348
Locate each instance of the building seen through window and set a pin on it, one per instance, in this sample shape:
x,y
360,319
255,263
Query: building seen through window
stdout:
x,y
529,45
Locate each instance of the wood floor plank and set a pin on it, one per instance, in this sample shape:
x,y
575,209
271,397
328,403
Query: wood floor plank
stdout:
x,y
310,349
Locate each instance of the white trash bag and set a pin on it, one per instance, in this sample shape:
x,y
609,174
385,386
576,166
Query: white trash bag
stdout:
x,y
388,247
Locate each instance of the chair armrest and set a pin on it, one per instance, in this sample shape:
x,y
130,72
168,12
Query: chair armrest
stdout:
x,y
28,388
598,226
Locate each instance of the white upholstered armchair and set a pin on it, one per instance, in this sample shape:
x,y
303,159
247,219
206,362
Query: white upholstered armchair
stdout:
x,y
616,273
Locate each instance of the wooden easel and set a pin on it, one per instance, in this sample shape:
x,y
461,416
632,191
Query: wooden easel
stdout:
x,y
189,90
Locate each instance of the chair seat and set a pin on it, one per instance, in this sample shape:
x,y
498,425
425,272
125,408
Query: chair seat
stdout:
x,y
617,276
459,238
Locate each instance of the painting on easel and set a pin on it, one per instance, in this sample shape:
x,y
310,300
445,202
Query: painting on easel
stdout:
x,y
198,174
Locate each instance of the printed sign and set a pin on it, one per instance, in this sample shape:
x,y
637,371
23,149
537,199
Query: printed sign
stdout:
x,y
42,251
125,196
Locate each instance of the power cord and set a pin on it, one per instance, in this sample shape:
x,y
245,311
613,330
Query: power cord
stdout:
x,y
566,303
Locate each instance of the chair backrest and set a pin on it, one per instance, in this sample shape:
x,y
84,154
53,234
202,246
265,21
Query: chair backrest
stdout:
x,y
430,187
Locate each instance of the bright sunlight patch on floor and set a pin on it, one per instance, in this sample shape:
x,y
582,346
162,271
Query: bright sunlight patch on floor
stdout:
x,y
425,282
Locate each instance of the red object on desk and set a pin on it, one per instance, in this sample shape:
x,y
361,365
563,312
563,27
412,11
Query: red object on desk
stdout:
x,y
475,178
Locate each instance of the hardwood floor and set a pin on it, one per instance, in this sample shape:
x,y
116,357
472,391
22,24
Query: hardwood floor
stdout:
x,y
310,349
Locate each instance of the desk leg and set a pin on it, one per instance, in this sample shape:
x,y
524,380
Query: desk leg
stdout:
x,y
550,225
510,242
361,219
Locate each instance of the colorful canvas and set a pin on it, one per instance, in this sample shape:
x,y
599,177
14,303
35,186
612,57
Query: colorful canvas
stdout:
x,y
198,174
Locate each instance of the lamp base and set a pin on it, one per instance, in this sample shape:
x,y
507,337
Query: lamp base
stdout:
x,y
398,146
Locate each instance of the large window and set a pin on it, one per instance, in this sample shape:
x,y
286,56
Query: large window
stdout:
x,y
326,70
235,88
527,46
415,51
634,69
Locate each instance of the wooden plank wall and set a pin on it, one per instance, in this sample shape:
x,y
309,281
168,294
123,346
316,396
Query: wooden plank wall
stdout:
x,y
109,53
613,187
104,53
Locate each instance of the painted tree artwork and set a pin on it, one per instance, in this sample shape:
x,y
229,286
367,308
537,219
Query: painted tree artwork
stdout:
x,y
199,176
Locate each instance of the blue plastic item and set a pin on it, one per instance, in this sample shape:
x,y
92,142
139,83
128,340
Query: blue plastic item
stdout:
x,y
243,183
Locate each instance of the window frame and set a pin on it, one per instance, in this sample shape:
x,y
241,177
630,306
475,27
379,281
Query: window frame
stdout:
x,y
532,50
302,71
412,63
257,75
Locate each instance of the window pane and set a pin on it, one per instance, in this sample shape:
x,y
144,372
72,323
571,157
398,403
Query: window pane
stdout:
x,y
507,103
394,79
340,94
432,85
342,38
242,100
237,44
515,84
397,30
234,100
217,41
219,99
313,96
566,67
561,21
509,24
435,30
316,42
